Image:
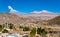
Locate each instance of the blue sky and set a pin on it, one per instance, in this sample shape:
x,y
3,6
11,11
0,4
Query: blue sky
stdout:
x,y
27,6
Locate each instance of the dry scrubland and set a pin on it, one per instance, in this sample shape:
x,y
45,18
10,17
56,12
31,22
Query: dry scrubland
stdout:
x,y
19,24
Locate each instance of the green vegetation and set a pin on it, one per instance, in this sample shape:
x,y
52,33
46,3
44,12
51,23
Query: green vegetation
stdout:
x,y
1,27
20,26
10,26
33,32
5,31
26,28
41,31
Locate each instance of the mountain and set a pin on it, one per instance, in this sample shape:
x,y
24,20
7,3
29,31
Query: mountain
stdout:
x,y
55,21
38,15
43,15
13,18
26,18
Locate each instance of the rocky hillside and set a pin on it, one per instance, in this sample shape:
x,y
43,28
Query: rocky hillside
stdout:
x,y
55,21
13,18
43,15
27,18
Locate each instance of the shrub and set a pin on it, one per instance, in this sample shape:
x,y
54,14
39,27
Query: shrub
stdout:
x,y
33,31
20,26
26,29
42,32
10,26
5,31
1,27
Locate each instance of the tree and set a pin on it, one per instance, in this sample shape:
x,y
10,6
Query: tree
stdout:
x,y
10,26
41,31
26,28
1,27
20,26
5,31
33,32
38,30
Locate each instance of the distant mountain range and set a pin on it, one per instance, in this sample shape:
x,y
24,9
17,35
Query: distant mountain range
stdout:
x,y
26,18
42,15
14,17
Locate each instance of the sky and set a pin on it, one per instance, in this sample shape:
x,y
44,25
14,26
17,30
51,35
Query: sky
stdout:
x,y
27,6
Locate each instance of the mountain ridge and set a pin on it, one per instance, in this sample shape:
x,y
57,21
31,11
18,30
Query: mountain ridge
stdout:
x,y
23,18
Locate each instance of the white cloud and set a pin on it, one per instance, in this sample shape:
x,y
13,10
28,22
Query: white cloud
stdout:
x,y
17,12
10,7
43,11
36,12
12,10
